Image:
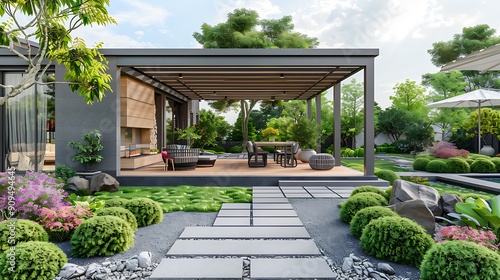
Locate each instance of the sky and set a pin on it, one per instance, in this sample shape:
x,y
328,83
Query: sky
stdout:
x,y
403,31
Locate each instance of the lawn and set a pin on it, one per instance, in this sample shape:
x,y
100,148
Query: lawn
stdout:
x,y
184,198
358,164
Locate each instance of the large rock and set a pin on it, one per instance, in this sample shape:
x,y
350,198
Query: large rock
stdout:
x,y
104,182
448,202
78,184
417,211
404,190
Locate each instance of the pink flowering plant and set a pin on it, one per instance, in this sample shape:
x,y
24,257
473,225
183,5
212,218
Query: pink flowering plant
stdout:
x,y
482,237
61,222
447,150
33,191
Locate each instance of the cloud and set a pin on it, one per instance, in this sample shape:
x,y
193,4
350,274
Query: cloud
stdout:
x,y
110,38
265,8
139,13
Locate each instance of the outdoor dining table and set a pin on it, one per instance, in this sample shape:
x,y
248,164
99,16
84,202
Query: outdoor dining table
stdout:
x,y
276,144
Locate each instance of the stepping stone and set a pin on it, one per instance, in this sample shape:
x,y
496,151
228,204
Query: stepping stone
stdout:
x,y
277,221
234,213
235,206
316,188
244,233
296,268
232,221
274,213
231,247
301,190
268,195
269,200
326,195
298,195
198,268
283,206
265,188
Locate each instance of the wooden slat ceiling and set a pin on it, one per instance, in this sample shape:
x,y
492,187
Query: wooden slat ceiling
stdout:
x,y
249,82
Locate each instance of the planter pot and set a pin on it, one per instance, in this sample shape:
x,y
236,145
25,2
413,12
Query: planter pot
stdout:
x,y
305,154
487,150
272,138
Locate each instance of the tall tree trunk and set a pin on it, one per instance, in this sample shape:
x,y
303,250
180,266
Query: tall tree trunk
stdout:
x,y
246,108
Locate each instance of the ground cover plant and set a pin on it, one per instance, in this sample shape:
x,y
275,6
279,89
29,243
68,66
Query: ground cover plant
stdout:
x,y
183,198
358,164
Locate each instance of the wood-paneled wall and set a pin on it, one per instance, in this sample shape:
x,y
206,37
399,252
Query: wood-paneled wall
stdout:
x,y
137,104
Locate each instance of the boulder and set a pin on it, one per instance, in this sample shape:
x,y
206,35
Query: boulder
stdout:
x,y
417,211
80,183
104,182
403,190
448,202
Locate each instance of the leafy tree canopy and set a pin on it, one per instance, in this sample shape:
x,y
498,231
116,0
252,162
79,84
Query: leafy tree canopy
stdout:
x,y
50,24
393,122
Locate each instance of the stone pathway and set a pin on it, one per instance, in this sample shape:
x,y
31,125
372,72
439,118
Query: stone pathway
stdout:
x,y
264,239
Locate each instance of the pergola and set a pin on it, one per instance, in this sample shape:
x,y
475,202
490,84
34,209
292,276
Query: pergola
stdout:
x,y
211,74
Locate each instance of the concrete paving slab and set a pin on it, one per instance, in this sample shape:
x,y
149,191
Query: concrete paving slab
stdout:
x,y
292,188
265,188
268,195
274,213
269,200
283,206
243,247
295,191
318,188
298,195
326,195
235,206
277,221
244,232
296,268
232,221
234,213
321,192
227,268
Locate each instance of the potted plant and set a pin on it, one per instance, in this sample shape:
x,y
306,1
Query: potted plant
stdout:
x,y
189,134
271,133
88,153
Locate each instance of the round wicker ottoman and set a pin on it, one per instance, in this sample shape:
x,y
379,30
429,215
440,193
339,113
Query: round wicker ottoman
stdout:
x,y
321,161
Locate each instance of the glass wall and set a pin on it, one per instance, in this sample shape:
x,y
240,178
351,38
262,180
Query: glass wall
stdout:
x,y
26,120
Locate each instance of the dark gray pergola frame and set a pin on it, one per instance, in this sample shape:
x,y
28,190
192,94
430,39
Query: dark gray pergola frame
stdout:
x,y
307,73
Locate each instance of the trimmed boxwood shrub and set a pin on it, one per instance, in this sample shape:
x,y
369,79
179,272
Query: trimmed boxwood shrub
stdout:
x,y
387,175
101,236
420,163
483,165
25,230
388,193
458,165
115,202
372,189
145,210
496,162
364,216
460,260
437,166
359,201
396,239
120,212
34,260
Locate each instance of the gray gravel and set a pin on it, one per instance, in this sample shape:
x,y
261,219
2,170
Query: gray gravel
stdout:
x,y
321,217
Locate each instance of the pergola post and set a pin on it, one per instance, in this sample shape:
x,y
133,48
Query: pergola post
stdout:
x,y
318,120
309,109
336,123
369,123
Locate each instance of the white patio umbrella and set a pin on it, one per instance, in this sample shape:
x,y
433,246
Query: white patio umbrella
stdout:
x,y
482,60
476,98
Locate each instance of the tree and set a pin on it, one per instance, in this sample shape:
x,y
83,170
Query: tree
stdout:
x,y
207,129
420,134
393,122
445,85
409,96
352,110
51,23
241,31
472,39
490,123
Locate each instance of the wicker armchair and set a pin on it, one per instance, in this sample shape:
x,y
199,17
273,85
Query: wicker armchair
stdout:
x,y
185,158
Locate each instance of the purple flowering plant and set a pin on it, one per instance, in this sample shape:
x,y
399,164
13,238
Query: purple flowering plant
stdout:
x,y
482,237
33,191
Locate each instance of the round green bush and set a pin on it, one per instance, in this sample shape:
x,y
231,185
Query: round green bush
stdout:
x,y
457,165
33,260
115,202
396,239
120,212
496,162
372,189
420,163
460,260
359,201
101,236
364,216
22,231
387,175
388,193
483,165
145,210
437,166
